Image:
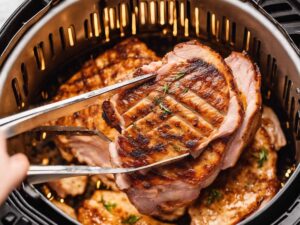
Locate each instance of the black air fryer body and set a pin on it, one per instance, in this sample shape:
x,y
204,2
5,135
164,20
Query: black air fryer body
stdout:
x,y
26,206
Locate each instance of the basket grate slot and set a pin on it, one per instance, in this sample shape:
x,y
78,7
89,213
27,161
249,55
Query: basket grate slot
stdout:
x,y
246,40
296,125
292,110
143,12
288,93
87,31
153,12
71,35
233,33
62,38
40,56
171,12
17,93
278,7
95,24
51,44
288,18
197,21
106,23
124,15
285,87
162,12
25,79
112,19
256,50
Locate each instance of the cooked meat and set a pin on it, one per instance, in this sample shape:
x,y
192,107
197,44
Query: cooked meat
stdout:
x,y
112,208
199,105
243,189
272,126
166,191
65,208
69,186
110,67
248,79
192,102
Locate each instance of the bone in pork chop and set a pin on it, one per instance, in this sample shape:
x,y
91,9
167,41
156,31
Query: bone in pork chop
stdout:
x,y
110,67
192,102
248,80
243,189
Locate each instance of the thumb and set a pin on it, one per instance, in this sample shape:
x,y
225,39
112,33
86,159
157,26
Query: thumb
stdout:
x,y
18,167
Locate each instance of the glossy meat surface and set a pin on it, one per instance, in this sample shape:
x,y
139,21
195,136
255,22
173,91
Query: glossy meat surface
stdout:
x,y
112,208
243,189
192,102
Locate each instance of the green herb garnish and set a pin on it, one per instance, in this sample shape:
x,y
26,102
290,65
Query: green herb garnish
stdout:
x,y
164,109
108,205
185,90
179,75
262,156
166,88
132,219
213,196
157,100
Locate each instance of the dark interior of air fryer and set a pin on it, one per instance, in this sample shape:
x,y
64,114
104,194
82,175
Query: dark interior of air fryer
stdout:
x,y
44,151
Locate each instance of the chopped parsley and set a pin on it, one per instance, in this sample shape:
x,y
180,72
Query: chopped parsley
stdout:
x,y
185,90
108,205
214,195
157,100
179,75
262,156
166,88
165,109
131,220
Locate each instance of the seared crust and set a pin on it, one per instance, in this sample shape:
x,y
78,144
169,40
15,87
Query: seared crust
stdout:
x,y
240,191
111,67
192,102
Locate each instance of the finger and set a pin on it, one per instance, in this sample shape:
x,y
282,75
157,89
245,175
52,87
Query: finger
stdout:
x,y
15,171
3,150
19,166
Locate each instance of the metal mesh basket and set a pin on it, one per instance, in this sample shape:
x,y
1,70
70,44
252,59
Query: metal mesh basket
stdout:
x,y
63,30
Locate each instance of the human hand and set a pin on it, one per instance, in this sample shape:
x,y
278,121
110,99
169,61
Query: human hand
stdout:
x,y
12,170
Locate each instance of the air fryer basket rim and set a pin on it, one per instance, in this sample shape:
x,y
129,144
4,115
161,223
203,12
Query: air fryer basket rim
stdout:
x,y
293,56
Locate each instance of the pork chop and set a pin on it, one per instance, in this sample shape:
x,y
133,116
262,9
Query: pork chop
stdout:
x,y
111,67
243,189
112,208
192,102
248,79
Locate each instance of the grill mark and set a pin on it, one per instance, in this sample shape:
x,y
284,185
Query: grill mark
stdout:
x,y
192,110
141,109
197,121
198,104
131,97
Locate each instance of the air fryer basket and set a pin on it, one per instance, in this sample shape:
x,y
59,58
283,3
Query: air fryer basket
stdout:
x,y
75,27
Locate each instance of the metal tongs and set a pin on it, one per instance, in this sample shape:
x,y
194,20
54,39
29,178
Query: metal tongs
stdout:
x,y
33,118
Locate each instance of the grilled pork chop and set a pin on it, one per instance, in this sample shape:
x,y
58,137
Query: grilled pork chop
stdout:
x,y
166,191
192,102
243,189
112,208
111,67
248,79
